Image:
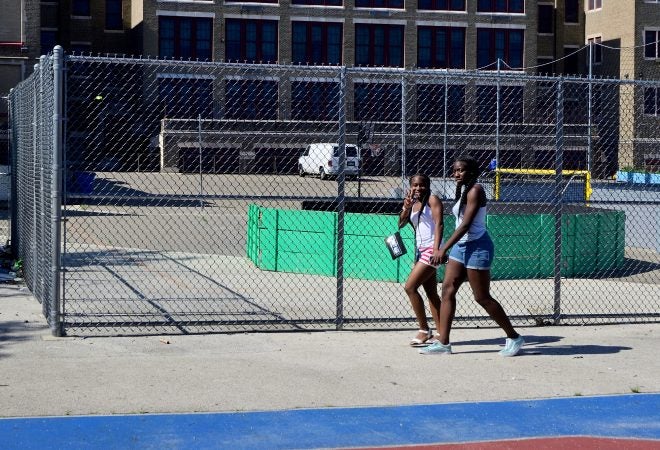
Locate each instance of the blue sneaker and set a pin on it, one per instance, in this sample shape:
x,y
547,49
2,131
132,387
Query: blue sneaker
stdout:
x,y
512,346
436,349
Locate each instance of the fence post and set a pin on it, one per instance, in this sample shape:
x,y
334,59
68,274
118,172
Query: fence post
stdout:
x,y
341,199
444,140
13,170
403,134
557,200
35,275
589,112
40,284
57,325
497,115
201,178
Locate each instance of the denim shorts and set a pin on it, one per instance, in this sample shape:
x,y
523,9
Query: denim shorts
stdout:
x,y
477,254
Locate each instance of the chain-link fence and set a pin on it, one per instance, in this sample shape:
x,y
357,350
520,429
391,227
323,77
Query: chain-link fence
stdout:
x,y
216,197
5,179
35,111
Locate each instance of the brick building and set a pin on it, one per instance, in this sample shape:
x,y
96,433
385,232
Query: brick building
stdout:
x,y
543,37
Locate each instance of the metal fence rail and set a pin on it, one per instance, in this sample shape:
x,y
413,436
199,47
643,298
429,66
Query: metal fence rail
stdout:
x,y
193,203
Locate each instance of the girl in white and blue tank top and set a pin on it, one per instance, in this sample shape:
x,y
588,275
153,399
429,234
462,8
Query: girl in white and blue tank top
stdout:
x,y
470,258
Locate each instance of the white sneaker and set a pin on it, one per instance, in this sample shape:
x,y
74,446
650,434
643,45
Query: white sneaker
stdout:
x,y
512,346
436,349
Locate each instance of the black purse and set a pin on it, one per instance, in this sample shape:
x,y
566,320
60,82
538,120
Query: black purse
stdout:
x,y
395,245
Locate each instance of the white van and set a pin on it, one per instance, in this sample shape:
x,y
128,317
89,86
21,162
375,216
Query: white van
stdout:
x,y
323,159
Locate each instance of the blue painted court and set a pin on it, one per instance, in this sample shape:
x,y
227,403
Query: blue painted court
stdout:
x,y
633,417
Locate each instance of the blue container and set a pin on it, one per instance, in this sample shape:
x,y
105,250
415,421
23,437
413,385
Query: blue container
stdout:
x,y
82,182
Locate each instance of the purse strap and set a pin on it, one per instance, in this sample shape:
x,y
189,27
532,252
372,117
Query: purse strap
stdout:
x,y
419,216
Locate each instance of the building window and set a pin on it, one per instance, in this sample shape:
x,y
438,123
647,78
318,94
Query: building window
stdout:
x,y
80,8
80,47
378,102
571,62
545,101
251,99
441,47
652,44
431,103
253,41
441,5
378,45
185,37
504,44
316,43
545,65
501,6
49,13
113,16
576,101
318,100
317,2
594,4
571,11
511,104
596,50
48,40
546,19
392,4
185,96
652,101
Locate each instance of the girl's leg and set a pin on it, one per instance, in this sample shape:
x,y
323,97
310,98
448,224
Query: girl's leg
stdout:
x,y
480,284
454,277
418,275
430,286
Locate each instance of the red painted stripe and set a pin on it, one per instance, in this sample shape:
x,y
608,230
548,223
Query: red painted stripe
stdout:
x,y
558,443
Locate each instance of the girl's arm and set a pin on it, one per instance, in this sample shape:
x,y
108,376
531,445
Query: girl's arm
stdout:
x,y
474,200
404,215
437,212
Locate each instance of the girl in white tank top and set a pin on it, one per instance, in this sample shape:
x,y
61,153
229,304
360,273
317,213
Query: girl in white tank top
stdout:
x,y
478,225
424,212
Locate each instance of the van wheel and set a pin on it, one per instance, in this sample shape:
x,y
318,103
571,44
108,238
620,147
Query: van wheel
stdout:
x,y
322,174
301,172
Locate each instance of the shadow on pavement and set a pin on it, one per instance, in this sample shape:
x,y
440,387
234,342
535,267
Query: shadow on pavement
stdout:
x,y
541,345
116,193
13,331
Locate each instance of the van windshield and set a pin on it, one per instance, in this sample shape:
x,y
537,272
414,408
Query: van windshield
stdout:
x,y
351,151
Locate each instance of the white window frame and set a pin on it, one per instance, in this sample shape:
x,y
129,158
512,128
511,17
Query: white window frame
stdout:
x,y
657,106
657,43
595,8
596,39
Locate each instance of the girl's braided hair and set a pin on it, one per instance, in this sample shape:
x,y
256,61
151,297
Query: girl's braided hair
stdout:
x,y
473,171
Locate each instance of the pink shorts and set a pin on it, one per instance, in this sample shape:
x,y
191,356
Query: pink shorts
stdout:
x,y
424,256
